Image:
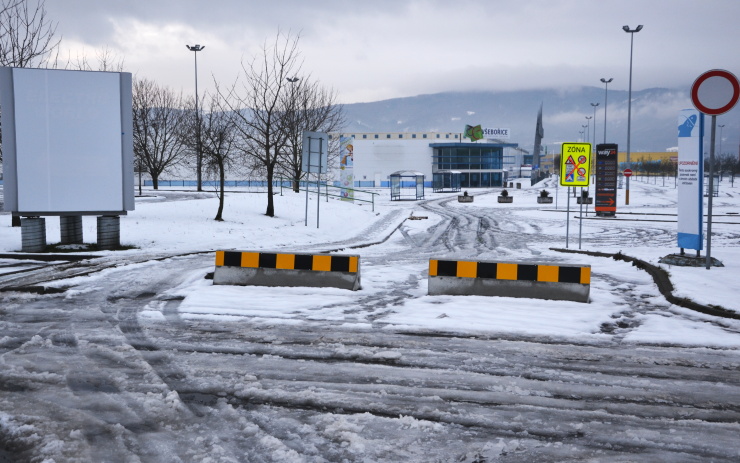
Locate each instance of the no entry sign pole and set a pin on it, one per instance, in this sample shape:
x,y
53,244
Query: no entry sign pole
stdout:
x,y
710,192
715,92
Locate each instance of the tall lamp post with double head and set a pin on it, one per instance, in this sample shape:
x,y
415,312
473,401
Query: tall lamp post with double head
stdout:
x,y
631,32
199,155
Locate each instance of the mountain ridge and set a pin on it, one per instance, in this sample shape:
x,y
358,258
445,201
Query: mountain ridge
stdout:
x,y
565,112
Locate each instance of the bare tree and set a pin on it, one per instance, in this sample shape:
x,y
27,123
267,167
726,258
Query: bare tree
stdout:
x,y
159,118
729,163
217,141
668,167
27,38
258,106
105,60
310,107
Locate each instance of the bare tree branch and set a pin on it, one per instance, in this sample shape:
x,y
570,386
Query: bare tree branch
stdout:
x,y
311,108
27,38
258,105
106,60
159,119
218,140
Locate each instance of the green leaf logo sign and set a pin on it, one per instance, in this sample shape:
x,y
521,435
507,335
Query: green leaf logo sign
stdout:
x,y
474,133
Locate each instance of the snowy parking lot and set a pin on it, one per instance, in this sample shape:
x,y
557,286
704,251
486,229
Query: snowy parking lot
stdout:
x,y
135,356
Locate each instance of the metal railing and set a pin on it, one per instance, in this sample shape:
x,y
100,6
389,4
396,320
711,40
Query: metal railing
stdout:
x,y
330,191
325,188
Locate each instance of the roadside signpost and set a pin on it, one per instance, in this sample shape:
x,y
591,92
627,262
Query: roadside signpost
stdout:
x,y
315,160
715,92
575,170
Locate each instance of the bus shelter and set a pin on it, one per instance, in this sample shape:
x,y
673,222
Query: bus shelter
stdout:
x,y
444,181
407,185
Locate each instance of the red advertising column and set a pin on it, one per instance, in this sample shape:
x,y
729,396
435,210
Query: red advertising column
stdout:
x,y
606,180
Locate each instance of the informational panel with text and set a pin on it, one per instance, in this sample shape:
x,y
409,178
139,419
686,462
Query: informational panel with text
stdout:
x,y
606,178
690,179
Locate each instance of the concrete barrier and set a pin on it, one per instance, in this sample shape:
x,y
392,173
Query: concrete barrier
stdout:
x,y
280,269
510,279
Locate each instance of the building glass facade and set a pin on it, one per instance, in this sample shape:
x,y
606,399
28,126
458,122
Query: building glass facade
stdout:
x,y
480,164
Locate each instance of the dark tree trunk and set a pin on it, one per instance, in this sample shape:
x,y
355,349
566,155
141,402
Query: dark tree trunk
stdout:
x,y
222,181
270,212
296,178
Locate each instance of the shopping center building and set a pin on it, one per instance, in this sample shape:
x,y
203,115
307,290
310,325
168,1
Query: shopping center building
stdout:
x,y
483,163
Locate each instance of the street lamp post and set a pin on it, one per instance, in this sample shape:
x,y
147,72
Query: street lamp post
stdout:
x,y
585,133
199,155
631,32
588,128
594,105
606,91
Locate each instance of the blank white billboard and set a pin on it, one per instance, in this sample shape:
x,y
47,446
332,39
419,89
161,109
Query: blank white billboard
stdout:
x,y
66,141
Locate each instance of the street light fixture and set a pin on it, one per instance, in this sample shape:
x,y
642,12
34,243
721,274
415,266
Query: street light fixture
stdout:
x,y
588,128
199,155
292,81
631,32
720,137
606,90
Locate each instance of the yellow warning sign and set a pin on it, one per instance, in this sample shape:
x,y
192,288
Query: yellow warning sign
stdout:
x,y
575,164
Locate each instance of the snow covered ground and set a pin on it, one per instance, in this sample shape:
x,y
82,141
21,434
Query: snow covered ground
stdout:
x,y
180,222
221,369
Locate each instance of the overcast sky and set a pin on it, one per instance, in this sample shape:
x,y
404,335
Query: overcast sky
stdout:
x,y
369,50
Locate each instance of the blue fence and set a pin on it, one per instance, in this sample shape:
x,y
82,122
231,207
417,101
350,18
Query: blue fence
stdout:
x,y
215,183
276,183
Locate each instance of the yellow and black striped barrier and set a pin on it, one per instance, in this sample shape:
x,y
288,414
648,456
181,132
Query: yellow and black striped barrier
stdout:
x,y
510,279
258,268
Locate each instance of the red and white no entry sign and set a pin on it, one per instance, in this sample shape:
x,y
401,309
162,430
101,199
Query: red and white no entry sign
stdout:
x,y
627,172
715,92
